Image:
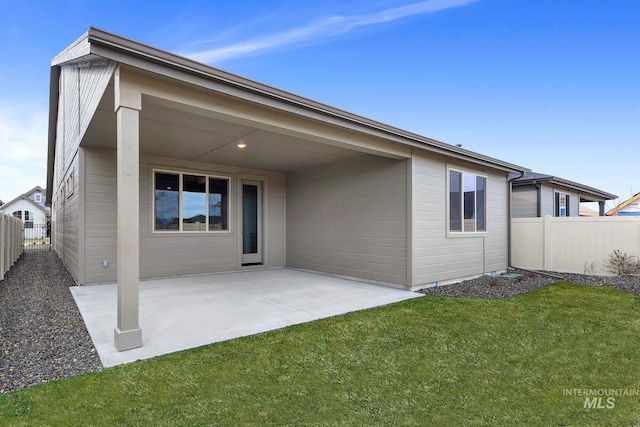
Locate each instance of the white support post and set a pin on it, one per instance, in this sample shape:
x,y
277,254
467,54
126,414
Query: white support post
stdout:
x,y
127,334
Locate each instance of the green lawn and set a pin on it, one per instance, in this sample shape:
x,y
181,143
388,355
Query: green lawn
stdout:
x,y
426,361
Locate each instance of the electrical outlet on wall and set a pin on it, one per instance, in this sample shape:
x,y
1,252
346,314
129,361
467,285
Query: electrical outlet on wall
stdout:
x,y
105,263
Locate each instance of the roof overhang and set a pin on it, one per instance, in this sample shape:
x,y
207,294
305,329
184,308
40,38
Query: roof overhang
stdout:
x,y
587,194
623,205
98,45
25,198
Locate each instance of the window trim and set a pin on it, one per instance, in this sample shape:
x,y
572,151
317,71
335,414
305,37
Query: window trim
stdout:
x,y
70,185
462,233
557,195
180,230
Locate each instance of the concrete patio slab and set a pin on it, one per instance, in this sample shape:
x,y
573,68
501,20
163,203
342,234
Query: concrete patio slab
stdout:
x,y
186,312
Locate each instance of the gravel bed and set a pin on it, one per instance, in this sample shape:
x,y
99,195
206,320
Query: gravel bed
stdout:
x,y
500,287
42,334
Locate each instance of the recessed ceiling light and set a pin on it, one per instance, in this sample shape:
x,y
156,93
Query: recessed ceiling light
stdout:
x,y
242,145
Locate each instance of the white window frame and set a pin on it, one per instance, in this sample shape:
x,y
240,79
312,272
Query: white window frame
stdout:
x,y
37,197
70,185
180,229
557,197
463,233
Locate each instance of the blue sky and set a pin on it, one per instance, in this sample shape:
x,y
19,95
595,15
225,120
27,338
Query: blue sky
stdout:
x,y
553,85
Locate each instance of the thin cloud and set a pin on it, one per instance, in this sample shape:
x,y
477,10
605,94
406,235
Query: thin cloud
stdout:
x,y
23,149
323,29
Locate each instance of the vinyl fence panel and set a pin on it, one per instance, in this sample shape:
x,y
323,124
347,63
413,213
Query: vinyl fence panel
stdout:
x,y
572,244
10,242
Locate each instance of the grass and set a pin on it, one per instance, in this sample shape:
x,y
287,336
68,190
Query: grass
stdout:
x,y
426,361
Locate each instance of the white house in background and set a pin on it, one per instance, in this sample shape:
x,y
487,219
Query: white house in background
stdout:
x,y
31,209
536,195
630,207
162,166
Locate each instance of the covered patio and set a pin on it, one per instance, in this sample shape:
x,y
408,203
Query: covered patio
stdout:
x,y
187,312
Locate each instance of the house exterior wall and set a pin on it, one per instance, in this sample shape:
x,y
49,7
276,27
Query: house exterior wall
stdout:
x,y
524,202
80,91
39,216
548,200
574,201
40,196
350,219
71,241
633,209
439,256
172,254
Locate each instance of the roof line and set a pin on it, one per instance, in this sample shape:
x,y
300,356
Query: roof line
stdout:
x,y
623,205
23,197
565,182
96,42
156,55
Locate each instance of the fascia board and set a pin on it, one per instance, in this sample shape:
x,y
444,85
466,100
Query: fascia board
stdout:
x,y
78,49
148,58
583,188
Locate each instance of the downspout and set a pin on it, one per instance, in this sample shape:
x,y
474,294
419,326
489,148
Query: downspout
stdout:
x,y
509,208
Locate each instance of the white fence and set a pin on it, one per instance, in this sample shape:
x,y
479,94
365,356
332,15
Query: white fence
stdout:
x,y
10,242
572,245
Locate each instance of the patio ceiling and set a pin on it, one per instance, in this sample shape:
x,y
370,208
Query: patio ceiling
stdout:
x,y
175,131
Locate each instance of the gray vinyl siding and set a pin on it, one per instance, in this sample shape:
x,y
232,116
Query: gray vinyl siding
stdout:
x,y
71,217
80,92
574,204
100,215
350,219
169,254
548,198
547,201
438,256
276,221
524,202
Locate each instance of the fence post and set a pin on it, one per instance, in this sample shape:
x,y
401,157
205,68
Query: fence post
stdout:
x,y
546,246
2,240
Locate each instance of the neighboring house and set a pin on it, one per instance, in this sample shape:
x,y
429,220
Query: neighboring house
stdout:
x,y
630,207
538,195
39,195
585,211
30,208
161,166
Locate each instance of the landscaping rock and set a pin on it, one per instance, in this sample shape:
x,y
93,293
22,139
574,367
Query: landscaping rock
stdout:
x,y
42,334
497,287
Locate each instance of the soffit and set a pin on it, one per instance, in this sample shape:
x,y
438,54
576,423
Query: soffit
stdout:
x,y
171,130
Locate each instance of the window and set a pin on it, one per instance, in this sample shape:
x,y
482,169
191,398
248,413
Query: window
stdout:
x,y
562,204
218,204
189,202
167,200
70,185
37,197
28,219
194,202
467,202
17,214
